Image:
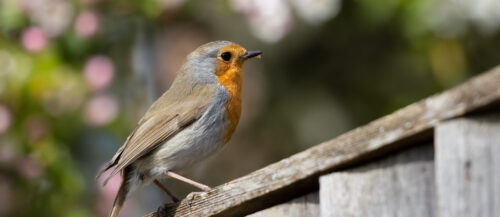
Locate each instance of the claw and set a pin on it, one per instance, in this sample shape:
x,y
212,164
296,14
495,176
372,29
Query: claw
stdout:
x,y
192,196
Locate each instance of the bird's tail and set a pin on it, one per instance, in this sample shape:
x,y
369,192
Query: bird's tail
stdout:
x,y
120,196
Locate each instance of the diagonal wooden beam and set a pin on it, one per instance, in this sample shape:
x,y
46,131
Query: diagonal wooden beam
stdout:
x,y
298,174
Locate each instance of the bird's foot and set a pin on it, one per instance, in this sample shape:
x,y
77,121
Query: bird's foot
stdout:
x,y
175,199
194,196
188,181
164,189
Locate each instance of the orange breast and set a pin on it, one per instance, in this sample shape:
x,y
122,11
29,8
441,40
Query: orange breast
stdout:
x,y
231,77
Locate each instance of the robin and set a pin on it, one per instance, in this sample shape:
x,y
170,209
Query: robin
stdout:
x,y
188,123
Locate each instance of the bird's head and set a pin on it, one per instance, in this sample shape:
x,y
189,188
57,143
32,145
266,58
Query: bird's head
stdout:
x,y
217,60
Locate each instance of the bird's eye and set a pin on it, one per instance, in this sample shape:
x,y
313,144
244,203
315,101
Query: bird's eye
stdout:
x,y
226,56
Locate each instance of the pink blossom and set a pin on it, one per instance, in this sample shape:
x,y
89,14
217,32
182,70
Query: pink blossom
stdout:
x,y
101,110
99,72
86,24
34,39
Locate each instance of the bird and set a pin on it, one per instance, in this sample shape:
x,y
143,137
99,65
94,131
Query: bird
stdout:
x,y
192,120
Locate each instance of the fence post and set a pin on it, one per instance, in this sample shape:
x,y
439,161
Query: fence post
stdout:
x,y
304,206
399,185
468,166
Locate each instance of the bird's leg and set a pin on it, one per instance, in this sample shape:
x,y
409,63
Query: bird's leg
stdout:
x,y
186,180
164,189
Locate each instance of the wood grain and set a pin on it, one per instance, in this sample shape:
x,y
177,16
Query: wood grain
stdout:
x,y
468,166
304,206
298,174
400,185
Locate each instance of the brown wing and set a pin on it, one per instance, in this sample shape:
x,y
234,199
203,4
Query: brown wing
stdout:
x,y
166,117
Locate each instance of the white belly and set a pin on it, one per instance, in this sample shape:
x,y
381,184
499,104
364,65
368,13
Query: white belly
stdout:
x,y
191,145
188,147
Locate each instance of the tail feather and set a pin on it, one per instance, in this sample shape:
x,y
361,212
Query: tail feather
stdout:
x,y
104,169
110,164
120,197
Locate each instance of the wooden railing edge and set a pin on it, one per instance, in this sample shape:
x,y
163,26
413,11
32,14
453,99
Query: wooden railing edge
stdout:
x,y
298,174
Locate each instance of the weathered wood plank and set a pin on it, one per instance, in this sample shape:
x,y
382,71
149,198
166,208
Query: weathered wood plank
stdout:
x,y
304,206
298,174
400,185
468,167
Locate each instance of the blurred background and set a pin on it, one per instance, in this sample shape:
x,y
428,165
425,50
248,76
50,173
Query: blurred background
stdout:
x,y
75,77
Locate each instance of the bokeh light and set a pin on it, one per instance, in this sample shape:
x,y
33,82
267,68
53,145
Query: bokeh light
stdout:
x,y
317,11
452,18
270,20
53,16
101,110
86,24
34,39
99,72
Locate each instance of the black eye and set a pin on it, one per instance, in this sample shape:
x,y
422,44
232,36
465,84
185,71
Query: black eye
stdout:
x,y
226,56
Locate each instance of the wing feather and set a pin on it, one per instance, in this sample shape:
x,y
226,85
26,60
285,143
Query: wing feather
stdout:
x,y
165,118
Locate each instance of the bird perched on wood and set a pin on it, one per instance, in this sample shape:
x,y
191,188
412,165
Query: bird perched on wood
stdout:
x,y
188,123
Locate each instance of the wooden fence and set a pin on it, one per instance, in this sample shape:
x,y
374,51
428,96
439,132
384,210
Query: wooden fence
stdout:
x,y
437,157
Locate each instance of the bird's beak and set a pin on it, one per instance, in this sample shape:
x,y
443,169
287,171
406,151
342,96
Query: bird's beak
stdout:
x,y
251,53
